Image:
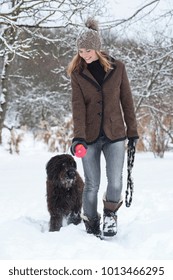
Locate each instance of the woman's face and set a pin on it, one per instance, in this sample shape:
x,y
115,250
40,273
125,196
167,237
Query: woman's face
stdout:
x,y
88,55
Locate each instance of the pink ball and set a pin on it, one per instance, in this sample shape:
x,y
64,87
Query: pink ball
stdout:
x,y
80,151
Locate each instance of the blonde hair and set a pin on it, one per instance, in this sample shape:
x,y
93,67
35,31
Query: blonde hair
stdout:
x,y
78,63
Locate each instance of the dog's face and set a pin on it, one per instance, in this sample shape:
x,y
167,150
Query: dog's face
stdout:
x,y
61,170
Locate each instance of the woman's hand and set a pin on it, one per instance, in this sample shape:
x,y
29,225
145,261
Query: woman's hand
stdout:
x,y
132,142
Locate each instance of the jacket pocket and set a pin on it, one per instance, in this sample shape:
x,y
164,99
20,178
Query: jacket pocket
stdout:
x,y
117,126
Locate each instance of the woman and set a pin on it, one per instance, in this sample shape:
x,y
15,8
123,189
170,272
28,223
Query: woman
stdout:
x,y
103,117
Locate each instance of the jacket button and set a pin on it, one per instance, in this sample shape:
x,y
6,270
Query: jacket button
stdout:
x,y
100,114
99,102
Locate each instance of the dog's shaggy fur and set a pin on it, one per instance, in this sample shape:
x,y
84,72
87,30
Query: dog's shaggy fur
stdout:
x,y
64,191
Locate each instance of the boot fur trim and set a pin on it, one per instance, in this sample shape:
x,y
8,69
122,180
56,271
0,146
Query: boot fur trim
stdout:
x,y
112,206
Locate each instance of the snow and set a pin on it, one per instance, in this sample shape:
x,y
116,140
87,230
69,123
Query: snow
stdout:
x,y
145,229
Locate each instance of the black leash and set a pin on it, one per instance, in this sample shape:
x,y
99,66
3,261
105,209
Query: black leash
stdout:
x,y
130,184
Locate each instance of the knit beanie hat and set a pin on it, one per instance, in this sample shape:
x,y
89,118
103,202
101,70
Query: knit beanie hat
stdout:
x,y
89,38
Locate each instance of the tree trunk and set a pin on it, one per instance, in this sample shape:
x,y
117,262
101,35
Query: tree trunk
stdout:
x,y
8,57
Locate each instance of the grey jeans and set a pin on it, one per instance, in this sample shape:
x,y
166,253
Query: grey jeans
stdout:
x,y
114,156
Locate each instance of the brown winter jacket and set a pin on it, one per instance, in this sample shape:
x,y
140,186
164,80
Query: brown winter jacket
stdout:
x,y
108,107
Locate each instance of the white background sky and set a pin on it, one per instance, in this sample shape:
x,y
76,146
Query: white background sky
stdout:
x,y
124,9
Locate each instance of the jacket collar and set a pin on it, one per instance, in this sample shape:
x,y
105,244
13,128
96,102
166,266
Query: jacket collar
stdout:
x,y
85,73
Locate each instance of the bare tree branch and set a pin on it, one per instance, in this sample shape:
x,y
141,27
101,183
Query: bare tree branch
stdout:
x,y
114,23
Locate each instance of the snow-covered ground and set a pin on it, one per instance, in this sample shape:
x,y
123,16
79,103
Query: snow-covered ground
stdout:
x,y
145,229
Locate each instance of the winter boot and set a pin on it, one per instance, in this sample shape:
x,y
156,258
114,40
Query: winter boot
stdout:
x,y
93,225
110,217
109,223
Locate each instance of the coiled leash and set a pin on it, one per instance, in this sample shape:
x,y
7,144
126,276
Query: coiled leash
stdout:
x,y
130,184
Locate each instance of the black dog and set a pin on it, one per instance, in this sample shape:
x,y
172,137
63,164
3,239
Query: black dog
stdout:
x,y
64,191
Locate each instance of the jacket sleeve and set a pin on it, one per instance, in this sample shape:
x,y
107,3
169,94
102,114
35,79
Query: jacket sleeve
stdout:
x,y
128,106
78,109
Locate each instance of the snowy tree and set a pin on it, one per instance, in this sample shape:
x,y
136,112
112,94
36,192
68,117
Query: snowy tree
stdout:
x,y
30,17
154,93
150,71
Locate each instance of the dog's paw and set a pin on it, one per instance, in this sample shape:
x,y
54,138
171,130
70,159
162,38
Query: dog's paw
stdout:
x,y
74,218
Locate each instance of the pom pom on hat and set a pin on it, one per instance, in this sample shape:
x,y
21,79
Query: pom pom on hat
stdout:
x,y
92,24
89,38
